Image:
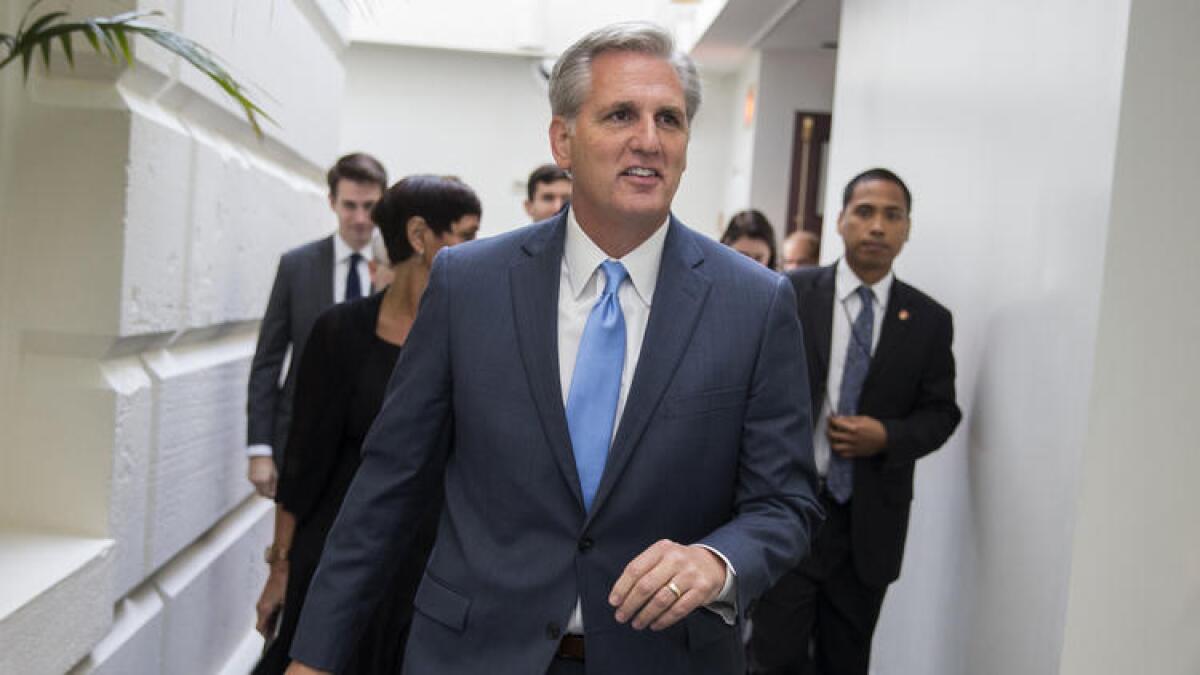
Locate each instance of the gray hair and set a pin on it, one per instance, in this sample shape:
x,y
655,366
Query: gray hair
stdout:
x,y
571,79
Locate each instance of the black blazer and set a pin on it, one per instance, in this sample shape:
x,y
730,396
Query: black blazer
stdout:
x,y
328,372
303,289
909,388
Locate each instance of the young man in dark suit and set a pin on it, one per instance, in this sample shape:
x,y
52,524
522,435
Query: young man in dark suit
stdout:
x,y
882,393
310,279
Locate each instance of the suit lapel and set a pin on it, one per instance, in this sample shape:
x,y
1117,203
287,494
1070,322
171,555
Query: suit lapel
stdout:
x,y
678,298
896,321
816,316
534,282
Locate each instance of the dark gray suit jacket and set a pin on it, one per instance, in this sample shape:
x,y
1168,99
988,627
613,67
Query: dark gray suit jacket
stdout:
x,y
909,388
713,447
303,289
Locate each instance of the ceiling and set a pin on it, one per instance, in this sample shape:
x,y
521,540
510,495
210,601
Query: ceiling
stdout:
x,y
745,25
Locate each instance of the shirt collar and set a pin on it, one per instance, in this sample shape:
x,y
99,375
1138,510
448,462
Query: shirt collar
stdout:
x,y
846,282
583,256
342,250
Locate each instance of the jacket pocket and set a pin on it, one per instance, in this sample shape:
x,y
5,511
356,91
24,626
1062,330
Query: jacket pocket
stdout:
x,y
438,602
704,402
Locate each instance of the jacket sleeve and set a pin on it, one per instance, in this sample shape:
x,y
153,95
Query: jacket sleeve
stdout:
x,y
776,512
403,454
274,336
317,420
935,414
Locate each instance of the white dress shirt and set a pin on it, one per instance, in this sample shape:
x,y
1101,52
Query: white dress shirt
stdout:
x,y
580,285
341,267
846,306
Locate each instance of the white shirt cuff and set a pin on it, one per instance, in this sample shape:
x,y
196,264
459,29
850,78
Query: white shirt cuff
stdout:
x,y
264,450
725,606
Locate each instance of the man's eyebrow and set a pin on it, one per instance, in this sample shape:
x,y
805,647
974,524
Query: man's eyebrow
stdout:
x,y
617,105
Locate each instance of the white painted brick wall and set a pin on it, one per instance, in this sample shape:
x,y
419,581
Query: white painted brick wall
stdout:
x,y
142,226
198,472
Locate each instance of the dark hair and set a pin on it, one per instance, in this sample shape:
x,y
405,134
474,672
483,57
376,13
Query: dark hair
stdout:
x,y
546,173
877,174
753,224
358,167
440,201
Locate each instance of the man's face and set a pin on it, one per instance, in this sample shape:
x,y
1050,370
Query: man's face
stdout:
x,y
352,202
627,147
874,226
799,252
548,198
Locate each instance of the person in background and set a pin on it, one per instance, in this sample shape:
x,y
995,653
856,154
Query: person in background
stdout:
x,y
882,393
310,278
548,190
801,248
339,389
750,233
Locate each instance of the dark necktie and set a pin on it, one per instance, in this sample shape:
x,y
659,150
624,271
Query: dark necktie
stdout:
x,y
353,285
596,383
840,478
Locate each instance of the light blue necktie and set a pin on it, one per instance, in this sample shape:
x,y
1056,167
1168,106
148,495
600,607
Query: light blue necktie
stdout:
x,y
840,479
596,383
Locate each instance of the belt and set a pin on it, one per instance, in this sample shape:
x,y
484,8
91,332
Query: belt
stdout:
x,y
570,647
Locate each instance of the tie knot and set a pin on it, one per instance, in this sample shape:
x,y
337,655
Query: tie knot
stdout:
x,y
355,257
614,274
866,294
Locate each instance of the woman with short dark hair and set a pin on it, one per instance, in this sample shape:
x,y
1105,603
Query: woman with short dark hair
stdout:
x,y
339,389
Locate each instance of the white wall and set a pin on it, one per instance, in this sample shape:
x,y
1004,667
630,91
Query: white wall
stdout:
x,y
1003,118
141,226
1135,572
791,80
486,118
740,137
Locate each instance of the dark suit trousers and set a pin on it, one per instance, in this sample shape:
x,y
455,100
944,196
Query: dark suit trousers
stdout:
x,y
819,618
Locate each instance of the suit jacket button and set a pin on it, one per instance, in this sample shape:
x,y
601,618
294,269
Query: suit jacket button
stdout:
x,y
585,544
553,632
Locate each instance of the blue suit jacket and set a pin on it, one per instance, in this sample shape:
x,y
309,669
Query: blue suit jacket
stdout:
x,y
713,447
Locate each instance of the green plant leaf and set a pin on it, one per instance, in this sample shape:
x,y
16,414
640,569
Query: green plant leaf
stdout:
x,y
123,42
45,47
110,35
41,22
25,18
65,40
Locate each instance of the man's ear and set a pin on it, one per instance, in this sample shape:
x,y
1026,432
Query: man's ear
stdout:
x,y
415,229
529,208
840,221
560,142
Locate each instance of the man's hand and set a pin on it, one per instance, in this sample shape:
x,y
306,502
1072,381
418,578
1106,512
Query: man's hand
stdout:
x,y
262,474
853,436
643,592
270,603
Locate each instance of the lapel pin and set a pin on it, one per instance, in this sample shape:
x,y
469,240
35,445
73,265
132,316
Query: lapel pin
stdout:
x,y
904,315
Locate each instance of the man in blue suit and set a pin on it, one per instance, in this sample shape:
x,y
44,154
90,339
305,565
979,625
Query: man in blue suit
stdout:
x,y
620,409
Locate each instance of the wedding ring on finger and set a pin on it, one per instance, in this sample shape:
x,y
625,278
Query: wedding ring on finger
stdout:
x,y
674,589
